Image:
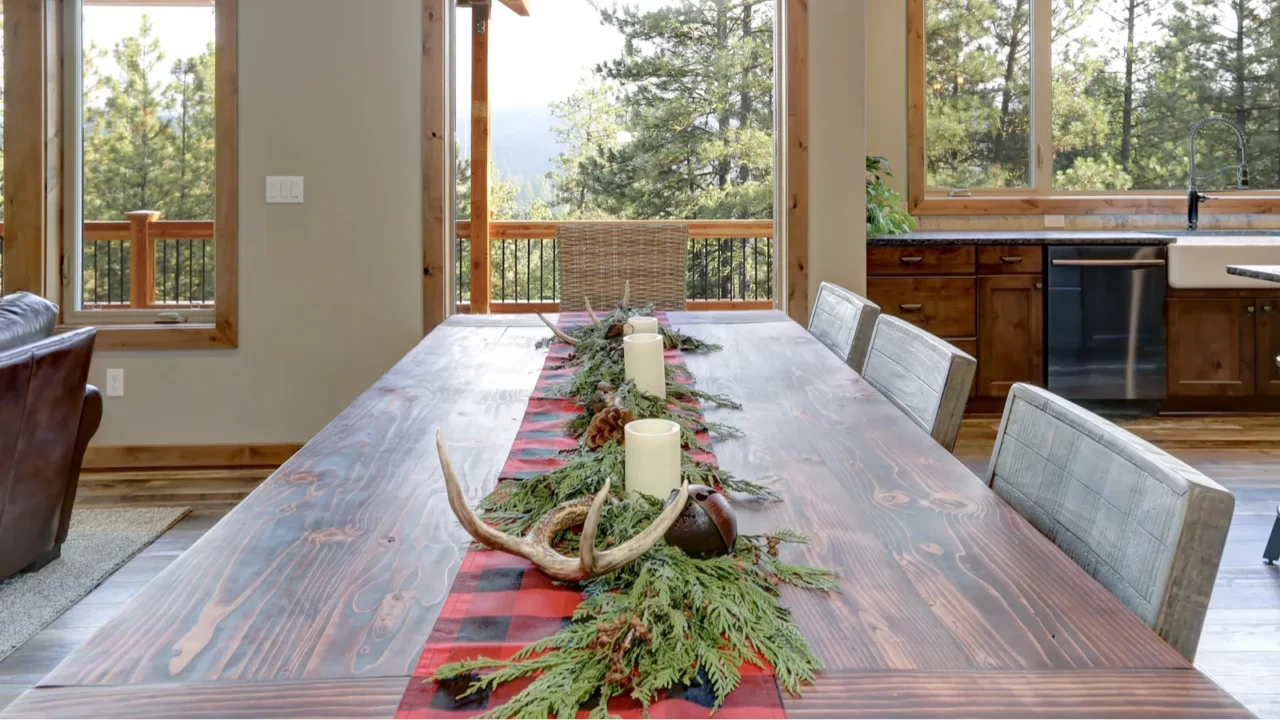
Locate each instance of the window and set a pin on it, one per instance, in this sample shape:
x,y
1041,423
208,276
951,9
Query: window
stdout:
x,y
1047,105
150,235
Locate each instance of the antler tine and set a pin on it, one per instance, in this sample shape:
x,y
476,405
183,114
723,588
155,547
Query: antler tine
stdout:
x,y
610,560
626,295
594,318
474,526
559,333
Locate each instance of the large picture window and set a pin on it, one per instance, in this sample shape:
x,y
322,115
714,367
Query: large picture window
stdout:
x,y
150,96
1051,105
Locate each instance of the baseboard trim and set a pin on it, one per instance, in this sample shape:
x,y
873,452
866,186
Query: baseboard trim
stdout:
x,y
112,457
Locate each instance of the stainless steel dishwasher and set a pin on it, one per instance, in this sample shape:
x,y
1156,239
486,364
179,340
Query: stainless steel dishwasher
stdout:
x,y
1106,324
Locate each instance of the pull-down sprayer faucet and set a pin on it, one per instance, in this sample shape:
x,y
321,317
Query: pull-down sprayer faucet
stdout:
x,y
1194,196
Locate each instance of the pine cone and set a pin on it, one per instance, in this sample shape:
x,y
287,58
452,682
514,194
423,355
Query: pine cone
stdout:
x,y
606,425
615,330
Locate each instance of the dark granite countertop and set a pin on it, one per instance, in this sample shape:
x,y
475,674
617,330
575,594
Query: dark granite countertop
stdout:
x,y
1257,272
1023,237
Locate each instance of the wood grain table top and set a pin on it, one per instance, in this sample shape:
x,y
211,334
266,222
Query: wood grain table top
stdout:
x,y
315,595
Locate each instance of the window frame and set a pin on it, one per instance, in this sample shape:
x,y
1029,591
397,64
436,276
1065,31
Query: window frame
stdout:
x,y
137,329
1039,197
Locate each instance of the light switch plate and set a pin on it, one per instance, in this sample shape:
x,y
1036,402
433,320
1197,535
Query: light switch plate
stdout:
x,y
284,189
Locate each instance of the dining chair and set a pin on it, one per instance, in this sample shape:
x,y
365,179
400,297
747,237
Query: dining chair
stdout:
x,y
844,321
1147,526
598,261
925,376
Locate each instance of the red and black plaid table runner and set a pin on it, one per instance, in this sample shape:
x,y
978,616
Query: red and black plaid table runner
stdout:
x,y
499,603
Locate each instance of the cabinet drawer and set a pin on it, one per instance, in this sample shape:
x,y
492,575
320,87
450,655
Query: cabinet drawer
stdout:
x,y
1010,260
941,260
943,306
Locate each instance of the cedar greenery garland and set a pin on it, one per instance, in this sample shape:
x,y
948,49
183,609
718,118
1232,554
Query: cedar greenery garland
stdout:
x,y
666,618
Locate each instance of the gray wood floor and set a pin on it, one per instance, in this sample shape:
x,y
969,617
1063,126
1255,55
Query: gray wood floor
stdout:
x,y
1240,647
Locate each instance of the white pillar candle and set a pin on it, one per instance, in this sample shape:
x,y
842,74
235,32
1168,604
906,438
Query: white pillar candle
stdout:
x,y
643,362
652,457
641,324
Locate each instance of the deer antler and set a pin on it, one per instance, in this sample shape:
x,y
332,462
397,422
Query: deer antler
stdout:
x,y
536,546
559,333
589,311
626,295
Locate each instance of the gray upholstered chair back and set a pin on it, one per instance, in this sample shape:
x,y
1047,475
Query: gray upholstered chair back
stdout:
x,y
844,321
1147,526
597,262
926,377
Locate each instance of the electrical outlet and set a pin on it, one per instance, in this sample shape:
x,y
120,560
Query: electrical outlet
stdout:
x,y
115,382
1055,221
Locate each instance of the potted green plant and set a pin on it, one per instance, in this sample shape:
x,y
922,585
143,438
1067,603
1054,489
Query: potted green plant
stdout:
x,y
885,215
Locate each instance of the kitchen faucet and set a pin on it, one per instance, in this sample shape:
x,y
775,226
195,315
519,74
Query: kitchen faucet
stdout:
x,y
1194,196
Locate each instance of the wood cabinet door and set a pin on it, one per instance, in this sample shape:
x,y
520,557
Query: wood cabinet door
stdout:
x,y
1010,333
1268,342
1211,346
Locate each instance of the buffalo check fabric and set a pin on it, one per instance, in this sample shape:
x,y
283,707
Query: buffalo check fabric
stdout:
x,y
499,603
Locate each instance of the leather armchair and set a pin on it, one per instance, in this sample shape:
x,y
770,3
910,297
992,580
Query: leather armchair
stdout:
x,y
47,416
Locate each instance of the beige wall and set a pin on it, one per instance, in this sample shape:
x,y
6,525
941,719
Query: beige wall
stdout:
x,y
837,144
330,291
887,86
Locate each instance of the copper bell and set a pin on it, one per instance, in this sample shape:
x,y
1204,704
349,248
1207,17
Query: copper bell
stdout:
x,y
707,528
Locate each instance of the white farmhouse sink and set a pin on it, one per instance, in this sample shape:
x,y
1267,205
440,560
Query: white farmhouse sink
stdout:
x,y
1201,261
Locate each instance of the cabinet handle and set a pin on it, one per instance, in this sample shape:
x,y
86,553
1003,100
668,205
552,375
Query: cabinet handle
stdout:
x,y
1010,259
911,307
912,260
1266,308
1039,285
1249,309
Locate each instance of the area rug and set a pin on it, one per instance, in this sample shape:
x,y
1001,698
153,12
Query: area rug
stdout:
x,y
98,543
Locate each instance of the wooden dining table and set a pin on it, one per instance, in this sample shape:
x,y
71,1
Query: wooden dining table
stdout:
x,y
314,597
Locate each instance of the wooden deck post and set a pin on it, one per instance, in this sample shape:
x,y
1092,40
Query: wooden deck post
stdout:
x,y
480,261
142,259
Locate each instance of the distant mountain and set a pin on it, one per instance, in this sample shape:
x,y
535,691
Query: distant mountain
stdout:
x,y
522,140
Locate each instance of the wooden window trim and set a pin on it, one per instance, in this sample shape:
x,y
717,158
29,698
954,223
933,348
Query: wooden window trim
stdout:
x,y
223,332
1034,200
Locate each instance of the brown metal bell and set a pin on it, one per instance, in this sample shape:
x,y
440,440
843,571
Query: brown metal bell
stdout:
x,y
707,528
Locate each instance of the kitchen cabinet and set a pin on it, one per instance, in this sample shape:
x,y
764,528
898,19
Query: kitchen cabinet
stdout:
x,y
1267,326
1010,332
1213,345
987,300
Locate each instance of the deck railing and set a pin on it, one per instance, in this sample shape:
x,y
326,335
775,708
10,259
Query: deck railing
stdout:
x,y
176,267
730,265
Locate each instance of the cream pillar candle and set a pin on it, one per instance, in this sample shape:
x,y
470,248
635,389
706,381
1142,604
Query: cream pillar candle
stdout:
x,y
643,362
641,324
652,457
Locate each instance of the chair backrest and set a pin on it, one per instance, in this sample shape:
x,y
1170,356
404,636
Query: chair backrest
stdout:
x,y
1147,526
597,262
926,377
844,321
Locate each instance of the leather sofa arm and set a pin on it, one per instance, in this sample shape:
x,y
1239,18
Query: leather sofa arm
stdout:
x,y
90,420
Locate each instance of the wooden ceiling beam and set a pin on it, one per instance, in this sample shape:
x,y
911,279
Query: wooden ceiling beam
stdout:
x,y
519,7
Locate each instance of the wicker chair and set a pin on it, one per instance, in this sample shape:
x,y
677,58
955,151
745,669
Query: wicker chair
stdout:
x,y
927,378
597,262
1147,526
844,321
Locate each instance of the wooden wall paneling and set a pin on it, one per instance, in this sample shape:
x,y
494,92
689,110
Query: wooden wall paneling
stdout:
x,y
435,165
796,69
